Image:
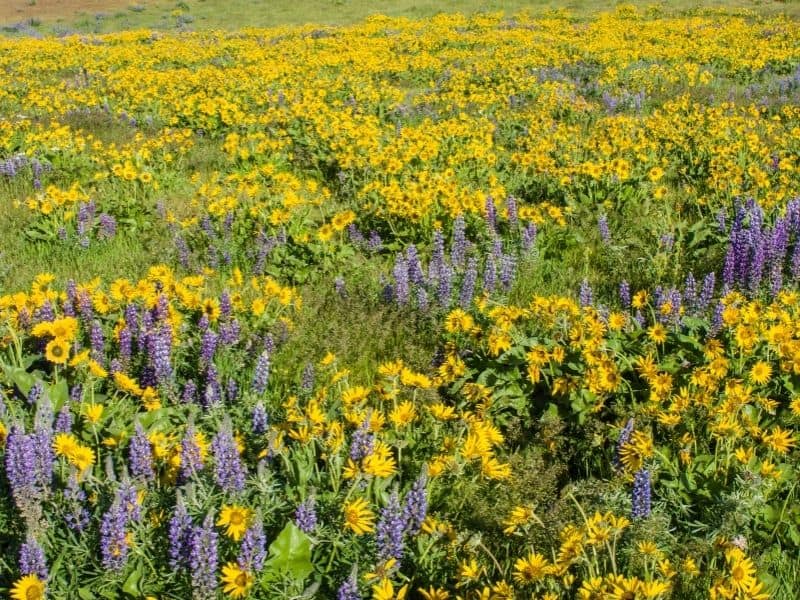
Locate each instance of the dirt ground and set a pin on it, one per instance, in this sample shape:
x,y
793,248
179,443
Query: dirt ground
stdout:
x,y
14,11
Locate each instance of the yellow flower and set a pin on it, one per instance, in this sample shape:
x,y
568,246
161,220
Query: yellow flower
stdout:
x,y
384,590
404,414
237,519
433,593
358,517
531,568
57,351
93,412
237,582
28,588
520,515
760,373
657,333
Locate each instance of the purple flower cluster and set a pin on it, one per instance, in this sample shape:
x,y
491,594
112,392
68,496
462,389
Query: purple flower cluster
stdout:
x,y
305,516
624,438
141,455
32,560
758,253
253,551
390,530
180,534
640,495
203,560
363,442
229,471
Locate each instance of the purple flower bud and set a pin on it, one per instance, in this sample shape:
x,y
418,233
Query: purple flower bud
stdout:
x,y
253,552
602,226
141,455
180,534
625,294
261,374
468,284
624,438
459,248
349,589
305,516
97,342
64,420
307,381
363,442
390,530
189,392
260,419
640,496
191,457
203,560
32,560
113,540
491,214
401,278
585,295
511,208
229,471
416,506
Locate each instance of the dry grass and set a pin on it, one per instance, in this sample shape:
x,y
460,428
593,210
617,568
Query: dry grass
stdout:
x,y
14,11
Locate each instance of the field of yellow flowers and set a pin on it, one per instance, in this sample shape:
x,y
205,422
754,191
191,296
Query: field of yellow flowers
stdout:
x,y
478,308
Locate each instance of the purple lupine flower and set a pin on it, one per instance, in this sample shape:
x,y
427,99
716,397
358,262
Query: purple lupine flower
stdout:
x,y
64,420
78,517
261,374
260,419
415,508
349,589
585,295
108,226
160,349
468,284
437,264
415,274
225,306
458,253
529,237
229,471
307,380
97,342
180,534
191,457
36,391
508,266
716,319
125,345
624,438
213,390
402,287
422,299
203,559
32,560
511,209
721,217
489,274
363,442
690,291
231,390
253,552
45,312
21,459
229,333
640,495
189,392
208,345
375,243
490,214
625,294
305,516
602,226
707,293
668,241
390,530
183,250
113,541
444,291
140,455
356,236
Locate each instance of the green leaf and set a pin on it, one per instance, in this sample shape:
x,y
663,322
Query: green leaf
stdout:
x,y
20,377
59,394
131,585
85,593
289,554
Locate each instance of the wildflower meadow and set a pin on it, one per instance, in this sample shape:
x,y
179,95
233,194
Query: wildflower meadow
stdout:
x,y
473,306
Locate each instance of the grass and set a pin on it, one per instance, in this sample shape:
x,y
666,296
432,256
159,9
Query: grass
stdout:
x,y
93,16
